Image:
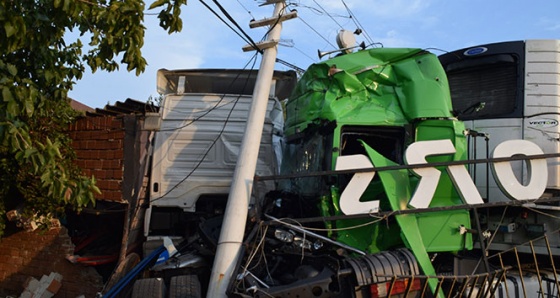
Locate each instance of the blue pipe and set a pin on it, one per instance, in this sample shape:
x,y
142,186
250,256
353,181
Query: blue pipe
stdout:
x,y
133,273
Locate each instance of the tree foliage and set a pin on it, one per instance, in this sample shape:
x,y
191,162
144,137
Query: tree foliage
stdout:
x,y
38,66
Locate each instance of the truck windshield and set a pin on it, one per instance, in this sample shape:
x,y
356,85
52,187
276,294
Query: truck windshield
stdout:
x,y
309,153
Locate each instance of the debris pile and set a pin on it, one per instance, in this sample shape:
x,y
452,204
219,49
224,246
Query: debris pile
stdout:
x,y
47,287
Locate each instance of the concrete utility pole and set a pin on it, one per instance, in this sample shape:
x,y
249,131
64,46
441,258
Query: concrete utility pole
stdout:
x,y
233,227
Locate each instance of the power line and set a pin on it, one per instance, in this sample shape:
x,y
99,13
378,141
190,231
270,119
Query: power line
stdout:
x,y
357,23
249,12
243,34
310,27
253,59
327,13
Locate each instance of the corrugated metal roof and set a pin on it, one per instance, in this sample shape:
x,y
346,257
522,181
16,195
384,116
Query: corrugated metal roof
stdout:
x,y
129,106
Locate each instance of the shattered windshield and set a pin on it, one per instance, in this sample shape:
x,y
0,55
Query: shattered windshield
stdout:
x,y
309,154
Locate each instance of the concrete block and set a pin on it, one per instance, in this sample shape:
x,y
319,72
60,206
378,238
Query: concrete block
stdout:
x,y
31,284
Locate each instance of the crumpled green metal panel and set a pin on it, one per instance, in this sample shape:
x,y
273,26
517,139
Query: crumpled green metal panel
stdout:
x,y
378,86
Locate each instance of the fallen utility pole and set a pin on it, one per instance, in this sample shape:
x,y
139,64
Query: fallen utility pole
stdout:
x,y
233,227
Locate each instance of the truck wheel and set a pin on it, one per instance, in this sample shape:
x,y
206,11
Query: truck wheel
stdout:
x,y
185,286
149,287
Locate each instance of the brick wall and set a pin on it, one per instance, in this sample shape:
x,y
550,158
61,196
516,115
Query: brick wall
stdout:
x,y
99,146
34,254
99,143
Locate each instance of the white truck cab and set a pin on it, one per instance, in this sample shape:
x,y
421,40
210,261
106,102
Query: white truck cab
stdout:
x,y
203,117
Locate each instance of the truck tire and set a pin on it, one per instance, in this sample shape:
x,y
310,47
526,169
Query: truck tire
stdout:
x,y
149,288
185,286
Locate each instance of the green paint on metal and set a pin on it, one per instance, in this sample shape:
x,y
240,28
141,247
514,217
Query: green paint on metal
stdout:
x,y
372,235
371,87
383,99
447,237
396,185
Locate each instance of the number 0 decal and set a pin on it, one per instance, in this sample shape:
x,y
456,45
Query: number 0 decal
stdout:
x,y
506,178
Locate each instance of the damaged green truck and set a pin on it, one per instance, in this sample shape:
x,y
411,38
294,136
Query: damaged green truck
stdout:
x,y
397,173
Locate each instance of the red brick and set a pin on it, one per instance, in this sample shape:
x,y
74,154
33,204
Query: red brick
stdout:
x,y
105,154
17,260
118,174
7,267
119,135
114,185
82,135
118,154
100,135
80,154
93,164
54,286
102,184
99,174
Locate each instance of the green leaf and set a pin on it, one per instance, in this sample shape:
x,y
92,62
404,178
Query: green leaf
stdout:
x,y
10,29
11,69
66,5
158,3
7,95
29,108
13,107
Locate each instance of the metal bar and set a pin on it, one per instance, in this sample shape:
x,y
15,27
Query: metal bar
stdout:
x,y
504,276
552,263
520,272
482,285
474,155
409,286
393,280
475,281
425,287
493,291
449,295
440,282
537,267
490,283
514,203
464,286
408,167
481,240
487,169
524,244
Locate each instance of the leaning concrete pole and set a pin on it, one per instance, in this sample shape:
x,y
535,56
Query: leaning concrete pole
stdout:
x,y
233,227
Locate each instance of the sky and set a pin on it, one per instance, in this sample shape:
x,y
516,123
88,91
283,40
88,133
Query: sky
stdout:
x,y
206,42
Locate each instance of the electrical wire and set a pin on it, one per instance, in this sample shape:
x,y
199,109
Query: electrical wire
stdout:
x,y
357,23
243,34
249,12
317,32
216,106
231,19
377,219
328,14
253,59
280,14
